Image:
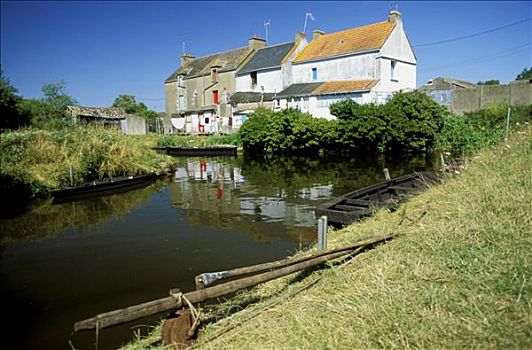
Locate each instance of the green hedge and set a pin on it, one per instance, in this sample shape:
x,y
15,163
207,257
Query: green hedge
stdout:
x,y
409,123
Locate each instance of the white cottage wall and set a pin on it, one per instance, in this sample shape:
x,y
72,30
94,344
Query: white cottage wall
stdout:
x,y
354,67
271,80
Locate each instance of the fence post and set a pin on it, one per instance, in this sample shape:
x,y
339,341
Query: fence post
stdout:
x,y
322,233
508,125
387,174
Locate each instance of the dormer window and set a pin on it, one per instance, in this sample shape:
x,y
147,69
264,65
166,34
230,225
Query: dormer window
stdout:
x,y
180,80
214,75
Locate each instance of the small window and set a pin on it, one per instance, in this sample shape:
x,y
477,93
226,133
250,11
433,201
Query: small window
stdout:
x,y
206,120
215,96
253,76
392,73
314,73
214,75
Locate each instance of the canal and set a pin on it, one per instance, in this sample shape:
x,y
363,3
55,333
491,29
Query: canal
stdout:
x,y
60,263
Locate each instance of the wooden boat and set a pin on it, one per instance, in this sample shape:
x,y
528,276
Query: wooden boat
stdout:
x,y
363,202
103,186
220,150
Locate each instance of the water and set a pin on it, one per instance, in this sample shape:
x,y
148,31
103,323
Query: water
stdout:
x,y
66,262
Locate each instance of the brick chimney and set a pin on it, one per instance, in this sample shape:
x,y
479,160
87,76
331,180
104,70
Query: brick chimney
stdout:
x,y
256,43
395,17
185,59
317,33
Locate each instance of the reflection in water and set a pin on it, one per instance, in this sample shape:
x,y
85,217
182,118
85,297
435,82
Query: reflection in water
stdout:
x,y
63,263
45,219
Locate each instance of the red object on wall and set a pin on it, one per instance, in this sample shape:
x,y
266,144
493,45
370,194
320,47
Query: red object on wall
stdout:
x,y
215,96
201,128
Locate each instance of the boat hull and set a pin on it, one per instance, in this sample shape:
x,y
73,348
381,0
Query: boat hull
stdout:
x,y
102,187
363,202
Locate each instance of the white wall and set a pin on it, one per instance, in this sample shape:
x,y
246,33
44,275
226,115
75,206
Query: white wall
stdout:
x,y
356,67
270,79
405,74
319,106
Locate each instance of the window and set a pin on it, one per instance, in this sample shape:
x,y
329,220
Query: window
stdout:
x,y
253,76
214,75
215,96
181,102
314,73
392,72
180,80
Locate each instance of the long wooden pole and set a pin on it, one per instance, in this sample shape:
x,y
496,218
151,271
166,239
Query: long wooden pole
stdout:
x,y
164,304
208,278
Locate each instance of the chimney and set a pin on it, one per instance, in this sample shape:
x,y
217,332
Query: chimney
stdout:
x,y
317,33
300,37
185,59
256,43
394,17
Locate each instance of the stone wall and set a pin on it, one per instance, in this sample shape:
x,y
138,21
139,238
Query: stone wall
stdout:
x,y
515,93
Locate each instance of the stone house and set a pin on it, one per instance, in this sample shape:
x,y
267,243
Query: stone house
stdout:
x,y
197,93
366,64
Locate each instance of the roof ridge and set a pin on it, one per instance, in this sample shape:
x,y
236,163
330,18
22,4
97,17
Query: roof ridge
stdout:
x,y
353,28
221,52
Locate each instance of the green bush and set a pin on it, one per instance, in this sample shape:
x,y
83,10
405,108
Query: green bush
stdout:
x,y
413,121
408,123
287,131
463,135
360,127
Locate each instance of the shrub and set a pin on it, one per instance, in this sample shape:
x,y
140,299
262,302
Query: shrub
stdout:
x,y
287,131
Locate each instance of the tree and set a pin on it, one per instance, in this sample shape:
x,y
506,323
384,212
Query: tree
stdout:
x,y
12,116
489,82
129,104
50,112
56,96
525,74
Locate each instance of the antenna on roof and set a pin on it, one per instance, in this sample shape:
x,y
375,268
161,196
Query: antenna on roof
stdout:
x,y
183,44
266,25
394,6
307,16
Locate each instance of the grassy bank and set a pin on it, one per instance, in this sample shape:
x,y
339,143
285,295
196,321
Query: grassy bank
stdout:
x,y
37,161
457,277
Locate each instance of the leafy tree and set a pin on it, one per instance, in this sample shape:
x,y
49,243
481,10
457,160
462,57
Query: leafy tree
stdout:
x,y
49,112
129,104
489,82
56,96
525,74
12,116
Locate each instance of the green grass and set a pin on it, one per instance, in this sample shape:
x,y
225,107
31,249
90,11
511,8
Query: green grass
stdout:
x,y
40,160
457,277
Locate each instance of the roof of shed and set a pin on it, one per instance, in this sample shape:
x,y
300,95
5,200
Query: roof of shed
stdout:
x,y
326,88
372,36
250,97
267,57
97,112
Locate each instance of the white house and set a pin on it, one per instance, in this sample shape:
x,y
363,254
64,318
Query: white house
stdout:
x,y
366,64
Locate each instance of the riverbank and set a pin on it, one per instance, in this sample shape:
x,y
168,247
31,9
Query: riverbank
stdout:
x,y
34,161
457,277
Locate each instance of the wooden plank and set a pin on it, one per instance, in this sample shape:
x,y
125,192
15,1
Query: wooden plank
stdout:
x,y
164,304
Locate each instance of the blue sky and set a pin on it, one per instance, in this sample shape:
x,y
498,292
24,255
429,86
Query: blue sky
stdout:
x,y
104,49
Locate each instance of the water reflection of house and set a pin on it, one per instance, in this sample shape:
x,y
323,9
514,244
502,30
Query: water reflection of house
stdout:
x,y
110,117
217,194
